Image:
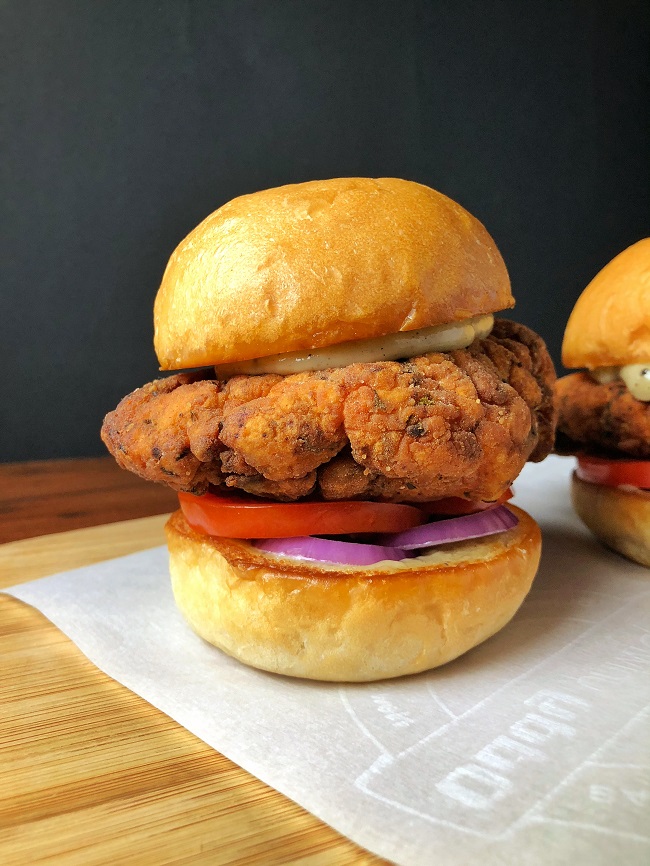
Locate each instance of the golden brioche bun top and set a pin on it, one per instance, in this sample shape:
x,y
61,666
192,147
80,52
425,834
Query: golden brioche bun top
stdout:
x,y
315,264
610,323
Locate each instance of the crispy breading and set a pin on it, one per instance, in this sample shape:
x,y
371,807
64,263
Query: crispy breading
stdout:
x,y
293,429
603,417
520,359
456,424
150,432
286,490
461,423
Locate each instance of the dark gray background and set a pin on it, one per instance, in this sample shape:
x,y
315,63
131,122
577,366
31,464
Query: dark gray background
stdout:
x,y
124,123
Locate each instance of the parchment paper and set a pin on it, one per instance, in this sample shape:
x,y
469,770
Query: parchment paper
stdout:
x,y
533,748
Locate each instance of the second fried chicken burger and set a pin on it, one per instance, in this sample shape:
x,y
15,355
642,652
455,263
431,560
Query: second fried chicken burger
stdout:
x,y
343,452
605,408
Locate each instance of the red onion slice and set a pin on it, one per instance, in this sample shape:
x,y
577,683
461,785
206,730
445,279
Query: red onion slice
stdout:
x,y
468,526
327,550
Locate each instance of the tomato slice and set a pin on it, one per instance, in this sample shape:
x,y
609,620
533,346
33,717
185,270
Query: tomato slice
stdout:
x,y
614,472
236,517
454,505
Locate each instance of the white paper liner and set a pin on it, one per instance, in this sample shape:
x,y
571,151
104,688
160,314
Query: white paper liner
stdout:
x,y
533,748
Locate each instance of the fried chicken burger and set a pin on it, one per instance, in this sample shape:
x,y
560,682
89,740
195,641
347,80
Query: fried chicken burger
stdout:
x,y
344,449
604,410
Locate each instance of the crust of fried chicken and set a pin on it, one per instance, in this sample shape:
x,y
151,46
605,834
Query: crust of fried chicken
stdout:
x,y
605,417
461,423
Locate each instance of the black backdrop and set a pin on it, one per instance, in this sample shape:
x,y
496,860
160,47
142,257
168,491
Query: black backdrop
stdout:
x,y
124,123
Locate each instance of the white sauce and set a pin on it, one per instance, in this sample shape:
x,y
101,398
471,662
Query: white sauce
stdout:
x,y
604,375
637,379
405,344
635,376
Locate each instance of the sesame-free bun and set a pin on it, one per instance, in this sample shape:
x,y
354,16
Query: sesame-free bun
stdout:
x,y
619,517
315,264
342,623
610,323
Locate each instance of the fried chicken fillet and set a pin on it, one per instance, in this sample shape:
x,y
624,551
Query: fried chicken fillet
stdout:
x,y
461,423
602,417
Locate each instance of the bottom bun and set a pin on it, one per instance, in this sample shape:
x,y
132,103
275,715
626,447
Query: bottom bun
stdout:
x,y
345,623
620,518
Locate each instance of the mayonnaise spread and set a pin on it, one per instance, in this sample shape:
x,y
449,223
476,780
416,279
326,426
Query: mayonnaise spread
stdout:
x,y
405,344
635,376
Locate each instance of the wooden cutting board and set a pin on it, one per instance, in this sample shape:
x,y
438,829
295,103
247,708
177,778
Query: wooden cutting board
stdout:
x,y
92,774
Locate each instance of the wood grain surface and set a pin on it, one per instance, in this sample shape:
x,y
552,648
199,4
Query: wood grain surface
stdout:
x,y
91,773
45,496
